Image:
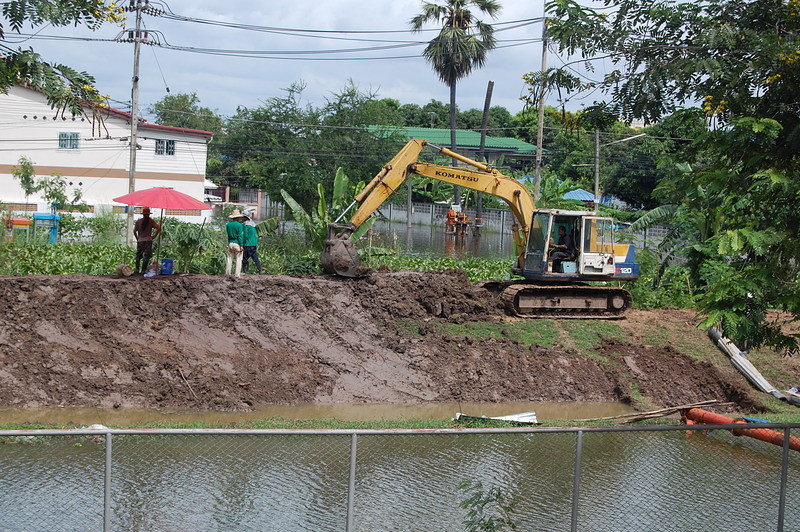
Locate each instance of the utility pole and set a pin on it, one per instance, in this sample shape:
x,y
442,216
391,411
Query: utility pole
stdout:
x,y
596,170
597,147
137,41
481,155
537,179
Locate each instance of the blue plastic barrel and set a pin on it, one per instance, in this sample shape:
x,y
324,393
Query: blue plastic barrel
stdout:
x,y
166,266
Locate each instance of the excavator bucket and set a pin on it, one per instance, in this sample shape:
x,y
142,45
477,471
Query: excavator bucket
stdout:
x,y
339,255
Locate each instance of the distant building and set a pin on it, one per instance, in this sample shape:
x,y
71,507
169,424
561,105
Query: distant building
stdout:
x,y
92,152
514,152
587,197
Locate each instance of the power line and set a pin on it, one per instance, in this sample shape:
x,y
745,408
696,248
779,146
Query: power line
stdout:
x,y
168,14
277,54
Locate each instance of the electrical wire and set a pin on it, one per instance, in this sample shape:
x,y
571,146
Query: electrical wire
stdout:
x,y
285,54
261,54
328,33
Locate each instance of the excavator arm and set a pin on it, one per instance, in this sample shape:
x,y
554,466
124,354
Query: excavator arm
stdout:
x,y
339,256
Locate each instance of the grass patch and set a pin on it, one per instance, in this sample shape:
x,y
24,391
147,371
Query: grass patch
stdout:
x,y
407,328
638,399
542,332
587,335
656,335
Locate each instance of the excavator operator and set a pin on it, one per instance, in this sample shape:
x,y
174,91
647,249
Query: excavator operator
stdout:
x,y
564,249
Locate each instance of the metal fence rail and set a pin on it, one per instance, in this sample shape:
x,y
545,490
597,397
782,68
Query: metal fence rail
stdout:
x,y
608,478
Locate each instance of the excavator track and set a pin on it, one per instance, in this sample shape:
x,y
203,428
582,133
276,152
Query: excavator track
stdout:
x,y
529,300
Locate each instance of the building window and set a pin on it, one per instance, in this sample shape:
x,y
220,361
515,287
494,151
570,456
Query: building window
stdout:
x,y
165,147
68,140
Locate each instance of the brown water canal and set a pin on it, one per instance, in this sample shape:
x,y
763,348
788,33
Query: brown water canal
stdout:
x,y
345,412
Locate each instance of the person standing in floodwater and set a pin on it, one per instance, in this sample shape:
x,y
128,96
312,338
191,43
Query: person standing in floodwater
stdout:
x,y
145,230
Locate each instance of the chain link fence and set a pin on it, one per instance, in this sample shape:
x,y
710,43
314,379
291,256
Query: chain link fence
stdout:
x,y
614,478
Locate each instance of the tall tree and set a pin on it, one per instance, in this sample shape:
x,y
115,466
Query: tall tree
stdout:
x,y
184,110
63,86
435,114
270,147
461,45
288,145
740,60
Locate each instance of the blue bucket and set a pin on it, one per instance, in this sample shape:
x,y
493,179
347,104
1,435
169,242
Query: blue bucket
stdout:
x,y
166,266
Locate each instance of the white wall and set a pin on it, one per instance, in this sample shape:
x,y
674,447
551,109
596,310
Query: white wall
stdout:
x,y
30,128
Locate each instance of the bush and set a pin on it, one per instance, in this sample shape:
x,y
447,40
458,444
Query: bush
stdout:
x,y
63,258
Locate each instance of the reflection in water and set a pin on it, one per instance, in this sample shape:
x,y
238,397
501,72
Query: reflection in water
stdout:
x,y
126,417
642,480
433,241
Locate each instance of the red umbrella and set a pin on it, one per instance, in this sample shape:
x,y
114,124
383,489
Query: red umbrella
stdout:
x,y
162,198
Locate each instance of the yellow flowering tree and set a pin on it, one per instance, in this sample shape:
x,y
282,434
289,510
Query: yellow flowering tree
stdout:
x,y
64,87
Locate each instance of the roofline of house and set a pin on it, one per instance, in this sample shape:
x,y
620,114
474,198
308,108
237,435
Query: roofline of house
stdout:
x,y
142,122
145,124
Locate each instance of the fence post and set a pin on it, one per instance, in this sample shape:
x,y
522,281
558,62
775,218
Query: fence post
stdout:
x,y
784,473
351,484
576,481
107,487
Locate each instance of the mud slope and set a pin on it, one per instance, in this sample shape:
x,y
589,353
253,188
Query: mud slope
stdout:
x,y
220,343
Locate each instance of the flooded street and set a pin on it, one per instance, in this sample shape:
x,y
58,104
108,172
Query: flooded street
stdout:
x,y
431,240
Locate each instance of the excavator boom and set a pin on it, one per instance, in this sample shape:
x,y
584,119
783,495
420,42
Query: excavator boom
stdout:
x,y
339,256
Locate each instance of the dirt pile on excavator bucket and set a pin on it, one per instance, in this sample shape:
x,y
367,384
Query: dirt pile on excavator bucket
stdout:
x,y
339,255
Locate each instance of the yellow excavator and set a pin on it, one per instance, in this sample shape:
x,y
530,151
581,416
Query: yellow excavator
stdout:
x,y
557,251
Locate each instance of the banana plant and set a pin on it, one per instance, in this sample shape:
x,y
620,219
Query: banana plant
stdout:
x,y
316,223
268,227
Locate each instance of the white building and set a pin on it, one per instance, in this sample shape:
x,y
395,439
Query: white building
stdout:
x,y
92,152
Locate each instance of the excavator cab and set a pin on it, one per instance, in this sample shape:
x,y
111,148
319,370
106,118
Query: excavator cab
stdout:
x,y
592,253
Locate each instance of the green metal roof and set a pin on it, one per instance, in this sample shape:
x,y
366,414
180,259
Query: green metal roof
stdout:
x,y
464,137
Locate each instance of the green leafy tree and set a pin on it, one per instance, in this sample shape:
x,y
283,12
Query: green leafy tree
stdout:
x,y
552,190
291,146
186,242
740,60
25,174
412,115
461,45
184,110
270,147
64,87
316,223
637,166
53,189
436,115
501,122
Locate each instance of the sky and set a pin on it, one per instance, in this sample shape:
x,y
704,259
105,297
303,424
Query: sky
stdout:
x,y
225,82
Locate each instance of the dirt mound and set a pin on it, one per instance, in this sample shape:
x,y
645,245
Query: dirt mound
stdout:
x,y
222,343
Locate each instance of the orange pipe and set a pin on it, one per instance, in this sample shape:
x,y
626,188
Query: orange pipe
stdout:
x,y
704,417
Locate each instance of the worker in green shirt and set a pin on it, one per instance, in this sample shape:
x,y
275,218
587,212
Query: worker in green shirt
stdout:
x,y
235,231
250,244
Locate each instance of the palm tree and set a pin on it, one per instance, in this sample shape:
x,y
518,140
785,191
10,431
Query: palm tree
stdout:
x,y
461,45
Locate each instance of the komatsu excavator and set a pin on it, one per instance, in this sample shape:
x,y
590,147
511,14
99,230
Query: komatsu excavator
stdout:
x,y
554,288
